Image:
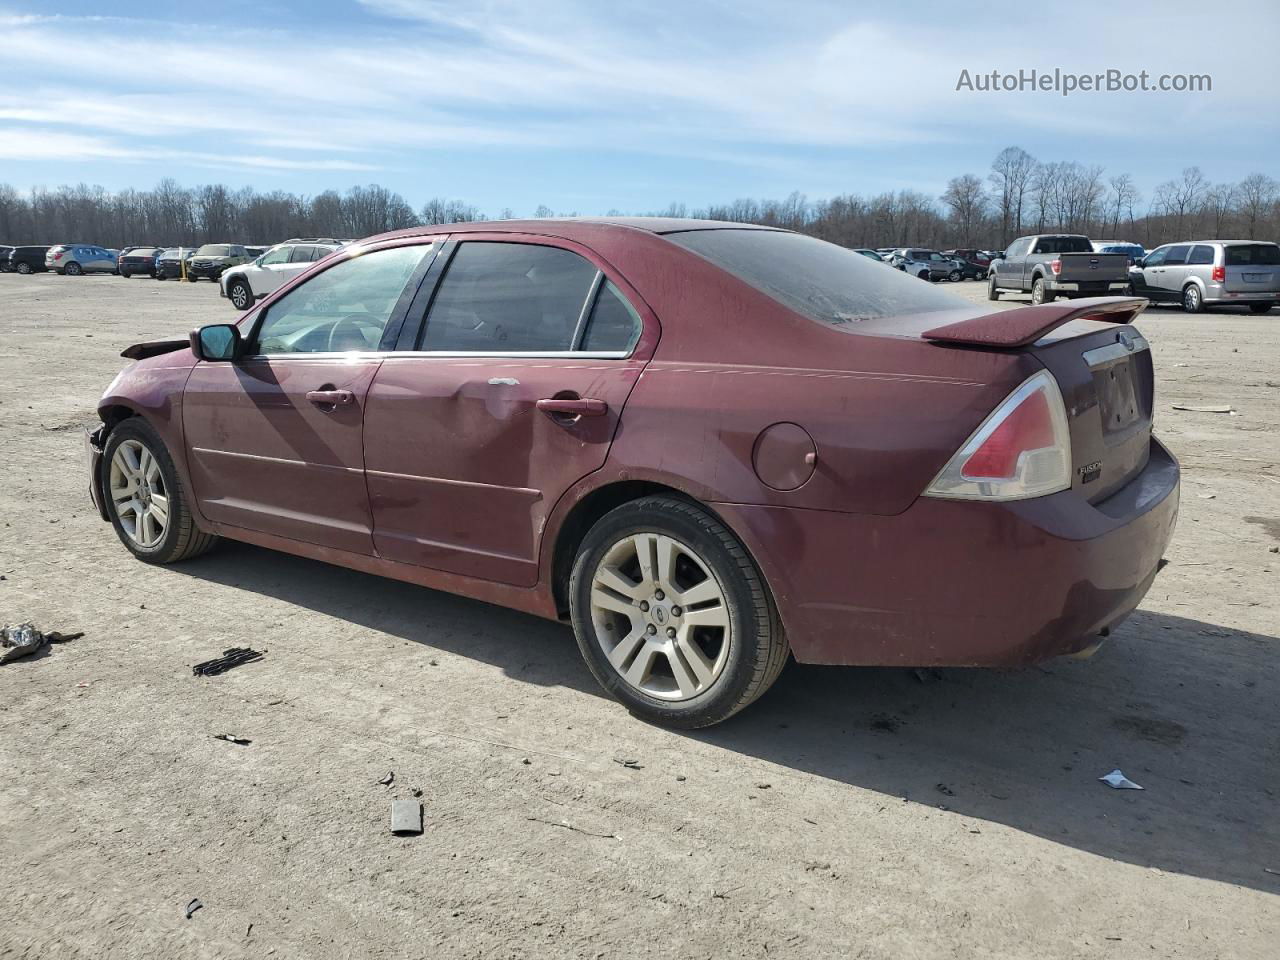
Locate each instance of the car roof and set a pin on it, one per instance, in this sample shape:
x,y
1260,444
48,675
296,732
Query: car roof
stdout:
x,y
578,228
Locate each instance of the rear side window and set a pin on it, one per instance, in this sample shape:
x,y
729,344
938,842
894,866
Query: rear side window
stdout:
x,y
614,324
816,279
1176,255
344,308
302,254
1201,254
1252,255
508,297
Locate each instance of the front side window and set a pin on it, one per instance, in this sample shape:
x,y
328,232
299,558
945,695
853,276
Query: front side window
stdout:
x,y
278,255
816,279
508,297
1176,256
347,307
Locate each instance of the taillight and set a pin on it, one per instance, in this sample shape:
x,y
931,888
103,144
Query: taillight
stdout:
x,y
57,256
1055,266
1022,450
1219,274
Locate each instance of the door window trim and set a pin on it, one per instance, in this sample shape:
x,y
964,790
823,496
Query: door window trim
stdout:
x,y
413,332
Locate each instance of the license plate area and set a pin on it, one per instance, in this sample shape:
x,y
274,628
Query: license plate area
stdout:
x,y
1122,382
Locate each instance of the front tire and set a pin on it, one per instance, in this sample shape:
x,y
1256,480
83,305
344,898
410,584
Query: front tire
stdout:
x,y
145,498
993,292
239,294
672,616
1192,300
24,269
955,276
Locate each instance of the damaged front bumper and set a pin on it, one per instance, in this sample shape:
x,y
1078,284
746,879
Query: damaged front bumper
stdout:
x,y
93,443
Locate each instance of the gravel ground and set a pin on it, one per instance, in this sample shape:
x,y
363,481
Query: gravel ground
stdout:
x,y
867,813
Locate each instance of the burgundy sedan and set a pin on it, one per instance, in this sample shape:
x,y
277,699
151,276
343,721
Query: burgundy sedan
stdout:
x,y
708,446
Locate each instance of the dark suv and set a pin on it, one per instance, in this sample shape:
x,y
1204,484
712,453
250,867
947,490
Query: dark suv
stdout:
x,y
27,260
138,260
974,264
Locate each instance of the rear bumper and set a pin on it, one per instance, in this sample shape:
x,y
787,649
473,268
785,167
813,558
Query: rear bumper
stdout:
x,y
1091,287
963,583
1214,294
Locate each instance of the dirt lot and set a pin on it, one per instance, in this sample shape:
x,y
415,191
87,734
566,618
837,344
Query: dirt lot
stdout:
x,y
850,813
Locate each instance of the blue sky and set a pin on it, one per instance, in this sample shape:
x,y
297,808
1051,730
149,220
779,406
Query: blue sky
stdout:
x,y
587,106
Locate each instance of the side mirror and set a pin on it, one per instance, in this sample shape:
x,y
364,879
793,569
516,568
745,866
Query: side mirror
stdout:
x,y
216,343
1140,262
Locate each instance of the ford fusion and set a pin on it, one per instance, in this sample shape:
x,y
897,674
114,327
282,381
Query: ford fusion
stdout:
x,y
708,446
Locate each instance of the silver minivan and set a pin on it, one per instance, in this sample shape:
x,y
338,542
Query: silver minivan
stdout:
x,y
1210,273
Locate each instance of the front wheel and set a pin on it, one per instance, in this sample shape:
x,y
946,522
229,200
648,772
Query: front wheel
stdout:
x,y
239,294
145,497
672,616
993,292
955,276
23,268
1192,300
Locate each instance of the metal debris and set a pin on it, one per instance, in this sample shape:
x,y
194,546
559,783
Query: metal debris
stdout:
x,y
24,640
232,738
230,658
388,779
569,826
192,907
1205,407
629,764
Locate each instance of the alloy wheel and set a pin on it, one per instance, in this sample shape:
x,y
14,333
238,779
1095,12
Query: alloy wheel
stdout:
x,y
660,616
138,494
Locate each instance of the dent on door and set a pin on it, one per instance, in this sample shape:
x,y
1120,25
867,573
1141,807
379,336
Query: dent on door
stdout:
x,y
463,466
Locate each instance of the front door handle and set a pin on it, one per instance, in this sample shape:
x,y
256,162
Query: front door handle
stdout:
x,y
330,398
577,407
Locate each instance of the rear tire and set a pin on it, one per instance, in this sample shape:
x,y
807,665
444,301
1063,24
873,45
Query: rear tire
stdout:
x,y
239,294
1192,299
145,498
126,274
1259,307
642,646
993,292
1039,292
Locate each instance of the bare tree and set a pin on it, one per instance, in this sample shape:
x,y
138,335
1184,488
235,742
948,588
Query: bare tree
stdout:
x,y
1011,175
1257,196
968,205
1124,197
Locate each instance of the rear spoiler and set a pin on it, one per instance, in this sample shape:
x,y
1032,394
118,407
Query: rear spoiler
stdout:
x,y
154,348
1023,326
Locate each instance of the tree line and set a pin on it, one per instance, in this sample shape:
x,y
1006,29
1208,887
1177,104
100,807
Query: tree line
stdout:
x,y
1018,195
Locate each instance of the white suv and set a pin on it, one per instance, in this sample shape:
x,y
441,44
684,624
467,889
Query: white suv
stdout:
x,y
244,284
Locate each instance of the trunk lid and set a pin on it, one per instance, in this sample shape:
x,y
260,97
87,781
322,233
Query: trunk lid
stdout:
x,y
1252,267
1092,267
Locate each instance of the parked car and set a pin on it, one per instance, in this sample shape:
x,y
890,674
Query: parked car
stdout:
x,y
28,259
1211,273
1057,265
244,284
169,262
869,254
256,252
141,260
541,414
213,258
1134,251
5,250
974,264
925,264
74,259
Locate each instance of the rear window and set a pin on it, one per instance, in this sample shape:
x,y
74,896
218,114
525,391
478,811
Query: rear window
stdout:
x,y
214,250
1064,245
817,279
1252,254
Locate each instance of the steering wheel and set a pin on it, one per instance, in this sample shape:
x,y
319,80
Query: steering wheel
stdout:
x,y
353,324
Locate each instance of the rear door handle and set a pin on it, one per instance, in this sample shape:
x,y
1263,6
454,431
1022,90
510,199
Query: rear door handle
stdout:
x,y
584,407
330,398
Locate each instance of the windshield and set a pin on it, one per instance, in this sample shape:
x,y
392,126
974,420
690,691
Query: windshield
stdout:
x,y
1253,254
817,279
214,250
